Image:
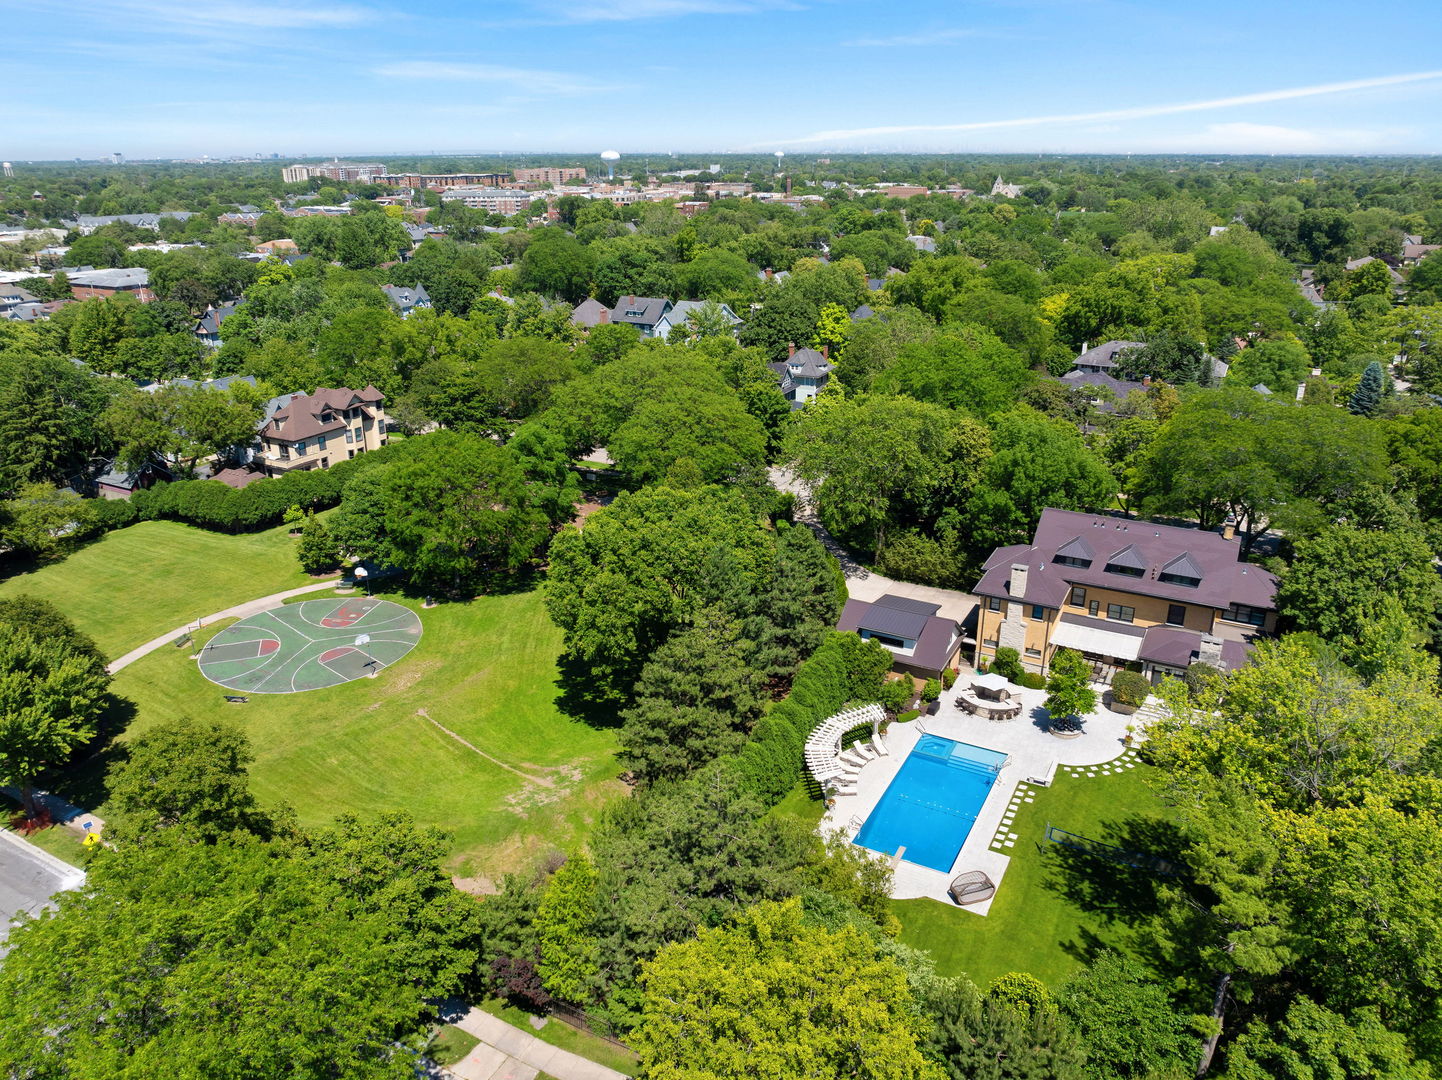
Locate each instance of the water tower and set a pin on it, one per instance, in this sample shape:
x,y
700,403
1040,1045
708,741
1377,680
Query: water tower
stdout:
x,y
9,169
610,157
779,155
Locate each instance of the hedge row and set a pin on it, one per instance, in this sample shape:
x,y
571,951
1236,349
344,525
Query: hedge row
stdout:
x,y
260,504
843,668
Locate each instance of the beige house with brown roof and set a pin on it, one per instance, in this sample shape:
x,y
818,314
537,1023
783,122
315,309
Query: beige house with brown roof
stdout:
x,y
314,431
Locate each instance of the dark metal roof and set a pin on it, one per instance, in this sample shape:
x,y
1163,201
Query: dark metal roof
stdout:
x,y
1175,647
1128,557
1184,566
1075,548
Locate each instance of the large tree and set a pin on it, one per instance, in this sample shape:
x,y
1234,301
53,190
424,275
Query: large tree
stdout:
x,y
556,264
52,693
620,586
181,425
770,995
50,413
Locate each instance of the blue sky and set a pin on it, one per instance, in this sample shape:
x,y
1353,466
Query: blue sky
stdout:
x,y
180,78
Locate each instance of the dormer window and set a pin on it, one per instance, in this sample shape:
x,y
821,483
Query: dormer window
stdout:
x,y
1183,571
1127,562
1073,553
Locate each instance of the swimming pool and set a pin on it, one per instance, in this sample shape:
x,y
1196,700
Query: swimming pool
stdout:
x,y
932,803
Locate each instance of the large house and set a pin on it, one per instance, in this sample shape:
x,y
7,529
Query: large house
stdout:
x,y
681,311
921,641
313,431
642,312
406,299
87,284
1123,592
803,374
207,327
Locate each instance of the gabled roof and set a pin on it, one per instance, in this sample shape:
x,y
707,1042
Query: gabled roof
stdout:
x,y
682,309
406,298
807,364
1075,548
640,310
590,312
863,312
128,277
308,415
1105,354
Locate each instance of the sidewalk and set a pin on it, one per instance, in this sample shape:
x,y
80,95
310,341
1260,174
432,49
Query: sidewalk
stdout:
x,y
240,611
508,1053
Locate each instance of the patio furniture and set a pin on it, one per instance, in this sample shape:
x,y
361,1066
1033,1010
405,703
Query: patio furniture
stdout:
x,y
972,887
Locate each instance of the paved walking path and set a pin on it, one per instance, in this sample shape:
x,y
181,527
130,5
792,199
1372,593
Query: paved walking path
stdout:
x,y
508,1053
240,611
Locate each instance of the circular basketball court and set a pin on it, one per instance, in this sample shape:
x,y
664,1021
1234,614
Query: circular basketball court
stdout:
x,y
310,645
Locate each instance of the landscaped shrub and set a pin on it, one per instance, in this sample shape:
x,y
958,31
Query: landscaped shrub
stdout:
x,y
1031,680
896,694
931,691
1129,688
948,678
1008,664
1025,993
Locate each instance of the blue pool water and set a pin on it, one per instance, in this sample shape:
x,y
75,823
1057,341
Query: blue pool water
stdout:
x,y
932,803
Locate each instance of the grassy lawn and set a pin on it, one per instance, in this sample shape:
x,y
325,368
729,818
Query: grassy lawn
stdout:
x,y
559,1033
451,1045
1054,908
531,779
136,583
798,805
58,840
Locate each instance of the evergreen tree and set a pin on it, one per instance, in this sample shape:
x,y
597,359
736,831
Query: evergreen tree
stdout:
x,y
1367,398
694,700
802,600
566,932
318,551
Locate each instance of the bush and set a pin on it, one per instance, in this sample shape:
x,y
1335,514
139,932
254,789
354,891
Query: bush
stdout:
x,y
1031,680
913,556
1129,688
931,691
910,714
948,678
1025,993
896,694
1008,665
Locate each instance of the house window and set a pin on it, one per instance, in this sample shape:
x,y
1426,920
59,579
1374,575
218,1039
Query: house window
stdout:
x,y
886,639
1094,607
1179,579
357,433
1176,614
320,442
1072,560
1078,597
1121,613
989,642
993,604
1125,571
300,448
1038,612
284,452
1033,652
1245,613
349,437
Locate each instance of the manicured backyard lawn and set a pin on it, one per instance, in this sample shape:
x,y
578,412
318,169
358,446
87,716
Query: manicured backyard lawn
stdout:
x,y
1054,908
136,583
527,779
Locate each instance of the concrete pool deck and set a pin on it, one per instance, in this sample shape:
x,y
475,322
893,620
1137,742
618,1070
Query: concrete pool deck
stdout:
x,y
1031,751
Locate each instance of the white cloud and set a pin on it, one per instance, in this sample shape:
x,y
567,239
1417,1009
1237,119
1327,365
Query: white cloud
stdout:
x,y
529,79
1133,113
932,37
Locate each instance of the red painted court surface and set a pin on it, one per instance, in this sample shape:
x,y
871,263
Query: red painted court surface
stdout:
x,y
310,645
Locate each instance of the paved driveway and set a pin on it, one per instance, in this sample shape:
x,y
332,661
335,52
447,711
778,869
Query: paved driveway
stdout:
x,y
29,877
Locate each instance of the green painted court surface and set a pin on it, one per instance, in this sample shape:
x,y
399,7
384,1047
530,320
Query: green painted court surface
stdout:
x,y
309,646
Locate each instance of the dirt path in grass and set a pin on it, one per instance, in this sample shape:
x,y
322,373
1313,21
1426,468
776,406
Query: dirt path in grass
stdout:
x,y
528,777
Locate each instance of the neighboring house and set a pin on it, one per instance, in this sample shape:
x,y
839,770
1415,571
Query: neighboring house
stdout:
x,y
642,312
1123,592
277,247
863,312
311,431
120,483
681,311
1092,381
921,641
1102,359
237,478
923,243
85,224
407,299
225,382
1412,254
1007,191
1356,264
803,374
135,280
207,327
12,296
590,312
32,310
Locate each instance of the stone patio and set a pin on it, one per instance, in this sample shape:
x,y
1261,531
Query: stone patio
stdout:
x,y
1099,750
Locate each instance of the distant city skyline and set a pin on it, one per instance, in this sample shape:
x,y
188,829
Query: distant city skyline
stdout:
x,y
169,79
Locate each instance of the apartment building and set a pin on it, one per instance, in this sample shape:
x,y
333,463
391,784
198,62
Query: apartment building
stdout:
x,y
1123,592
333,170
547,175
441,181
492,200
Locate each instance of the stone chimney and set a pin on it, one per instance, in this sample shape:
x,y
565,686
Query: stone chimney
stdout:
x,y
605,316
1017,584
1210,650
826,352
1146,380
790,349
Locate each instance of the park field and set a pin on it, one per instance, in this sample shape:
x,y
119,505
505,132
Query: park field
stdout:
x,y
463,733
136,583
